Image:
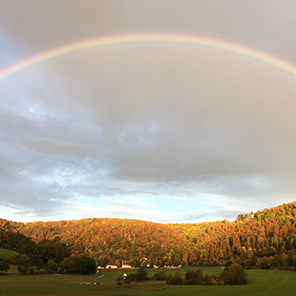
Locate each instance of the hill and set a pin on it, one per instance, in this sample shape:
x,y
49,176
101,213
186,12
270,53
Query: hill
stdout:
x,y
5,254
268,232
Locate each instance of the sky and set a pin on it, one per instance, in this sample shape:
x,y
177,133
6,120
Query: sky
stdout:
x,y
160,130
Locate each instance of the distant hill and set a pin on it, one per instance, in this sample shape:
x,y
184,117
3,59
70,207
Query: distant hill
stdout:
x,y
267,232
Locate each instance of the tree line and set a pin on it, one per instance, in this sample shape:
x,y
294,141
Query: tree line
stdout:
x,y
266,238
234,274
52,255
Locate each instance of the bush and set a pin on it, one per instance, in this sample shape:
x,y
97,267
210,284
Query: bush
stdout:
x,y
78,264
17,259
85,265
23,269
132,277
176,279
142,274
233,275
160,276
190,275
4,266
194,278
120,281
265,263
51,266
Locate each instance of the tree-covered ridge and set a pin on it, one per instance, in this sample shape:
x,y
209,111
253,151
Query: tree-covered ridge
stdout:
x,y
269,232
9,239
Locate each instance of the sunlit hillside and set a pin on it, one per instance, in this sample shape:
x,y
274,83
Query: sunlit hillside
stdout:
x,y
269,232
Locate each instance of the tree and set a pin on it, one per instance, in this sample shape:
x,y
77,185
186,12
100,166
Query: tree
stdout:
x,y
103,261
194,278
142,274
160,276
190,275
4,266
176,279
22,269
234,275
47,250
265,264
78,264
85,265
117,263
284,259
26,246
291,253
253,261
52,266
68,264
63,250
135,262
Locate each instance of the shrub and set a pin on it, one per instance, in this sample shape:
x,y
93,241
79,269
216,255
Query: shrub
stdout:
x,y
265,263
194,278
17,259
120,281
233,275
23,269
132,277
68,264
51,266
160,276
190,275
85,265
176,279
142,274
78,264
4,266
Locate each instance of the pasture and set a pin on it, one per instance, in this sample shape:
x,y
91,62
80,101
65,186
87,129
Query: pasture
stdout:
x,y
261,283
4,253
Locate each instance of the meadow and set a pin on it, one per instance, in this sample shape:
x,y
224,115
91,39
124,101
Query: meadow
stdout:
x,y
261,282
5,254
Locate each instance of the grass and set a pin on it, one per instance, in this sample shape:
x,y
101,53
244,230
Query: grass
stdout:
x,y
261,282
68,285
5,254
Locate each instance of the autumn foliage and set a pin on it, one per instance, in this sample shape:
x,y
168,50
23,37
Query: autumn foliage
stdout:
x,y
268,235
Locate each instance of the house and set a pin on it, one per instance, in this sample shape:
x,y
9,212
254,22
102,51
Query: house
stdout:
x,y
125,264
113,266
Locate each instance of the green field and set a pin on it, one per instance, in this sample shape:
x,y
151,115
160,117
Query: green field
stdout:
x,y
261,282
4,253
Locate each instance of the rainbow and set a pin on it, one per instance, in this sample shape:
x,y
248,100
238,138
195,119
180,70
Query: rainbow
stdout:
x,y
142,38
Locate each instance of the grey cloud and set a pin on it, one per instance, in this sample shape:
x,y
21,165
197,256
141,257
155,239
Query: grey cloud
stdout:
x,y
147,118
249,22
58,147
218,214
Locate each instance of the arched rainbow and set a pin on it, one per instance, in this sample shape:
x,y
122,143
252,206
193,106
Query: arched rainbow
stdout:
x,y
137,38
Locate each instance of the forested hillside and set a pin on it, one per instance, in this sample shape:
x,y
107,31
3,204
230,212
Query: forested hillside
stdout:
x,y
269,233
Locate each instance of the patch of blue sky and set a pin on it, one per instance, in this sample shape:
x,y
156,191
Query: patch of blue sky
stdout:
x,y
6,58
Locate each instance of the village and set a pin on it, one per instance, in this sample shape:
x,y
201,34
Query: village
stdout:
x,y
145,262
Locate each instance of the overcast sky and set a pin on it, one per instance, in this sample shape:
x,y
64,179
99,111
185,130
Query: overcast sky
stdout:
x,y
158,131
